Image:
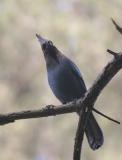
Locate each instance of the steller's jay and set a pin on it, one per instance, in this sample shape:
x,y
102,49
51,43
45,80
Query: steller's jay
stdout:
x,y
67,84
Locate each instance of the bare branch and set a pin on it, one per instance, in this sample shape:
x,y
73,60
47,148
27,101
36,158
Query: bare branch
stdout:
x,y
49,110
79,135
91,96
115,54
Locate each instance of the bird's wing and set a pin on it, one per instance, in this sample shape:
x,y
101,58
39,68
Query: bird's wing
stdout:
x,y
77,73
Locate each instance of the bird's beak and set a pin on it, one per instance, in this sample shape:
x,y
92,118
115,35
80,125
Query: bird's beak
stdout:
x,y
40,39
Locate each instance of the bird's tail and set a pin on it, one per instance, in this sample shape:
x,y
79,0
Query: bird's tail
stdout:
x,y
94,133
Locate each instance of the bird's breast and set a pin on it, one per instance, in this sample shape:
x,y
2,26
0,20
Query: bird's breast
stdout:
x,y
64,84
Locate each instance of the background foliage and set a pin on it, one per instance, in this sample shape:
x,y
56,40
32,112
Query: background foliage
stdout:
x,y
83,31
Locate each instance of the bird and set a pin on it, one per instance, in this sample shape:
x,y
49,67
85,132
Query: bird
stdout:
x,y
67,84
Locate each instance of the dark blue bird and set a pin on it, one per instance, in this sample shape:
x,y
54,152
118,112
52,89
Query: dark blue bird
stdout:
x,y
67,84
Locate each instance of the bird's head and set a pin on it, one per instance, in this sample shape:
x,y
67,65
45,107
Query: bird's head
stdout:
x,y
49,50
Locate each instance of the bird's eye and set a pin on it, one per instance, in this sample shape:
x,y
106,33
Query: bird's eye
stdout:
x,y
50,43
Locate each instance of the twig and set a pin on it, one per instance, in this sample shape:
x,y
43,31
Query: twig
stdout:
x,y
109,118
119,29
115,54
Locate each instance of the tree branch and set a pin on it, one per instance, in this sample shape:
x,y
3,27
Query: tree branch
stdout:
x,y
49,110
79,134
91,96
